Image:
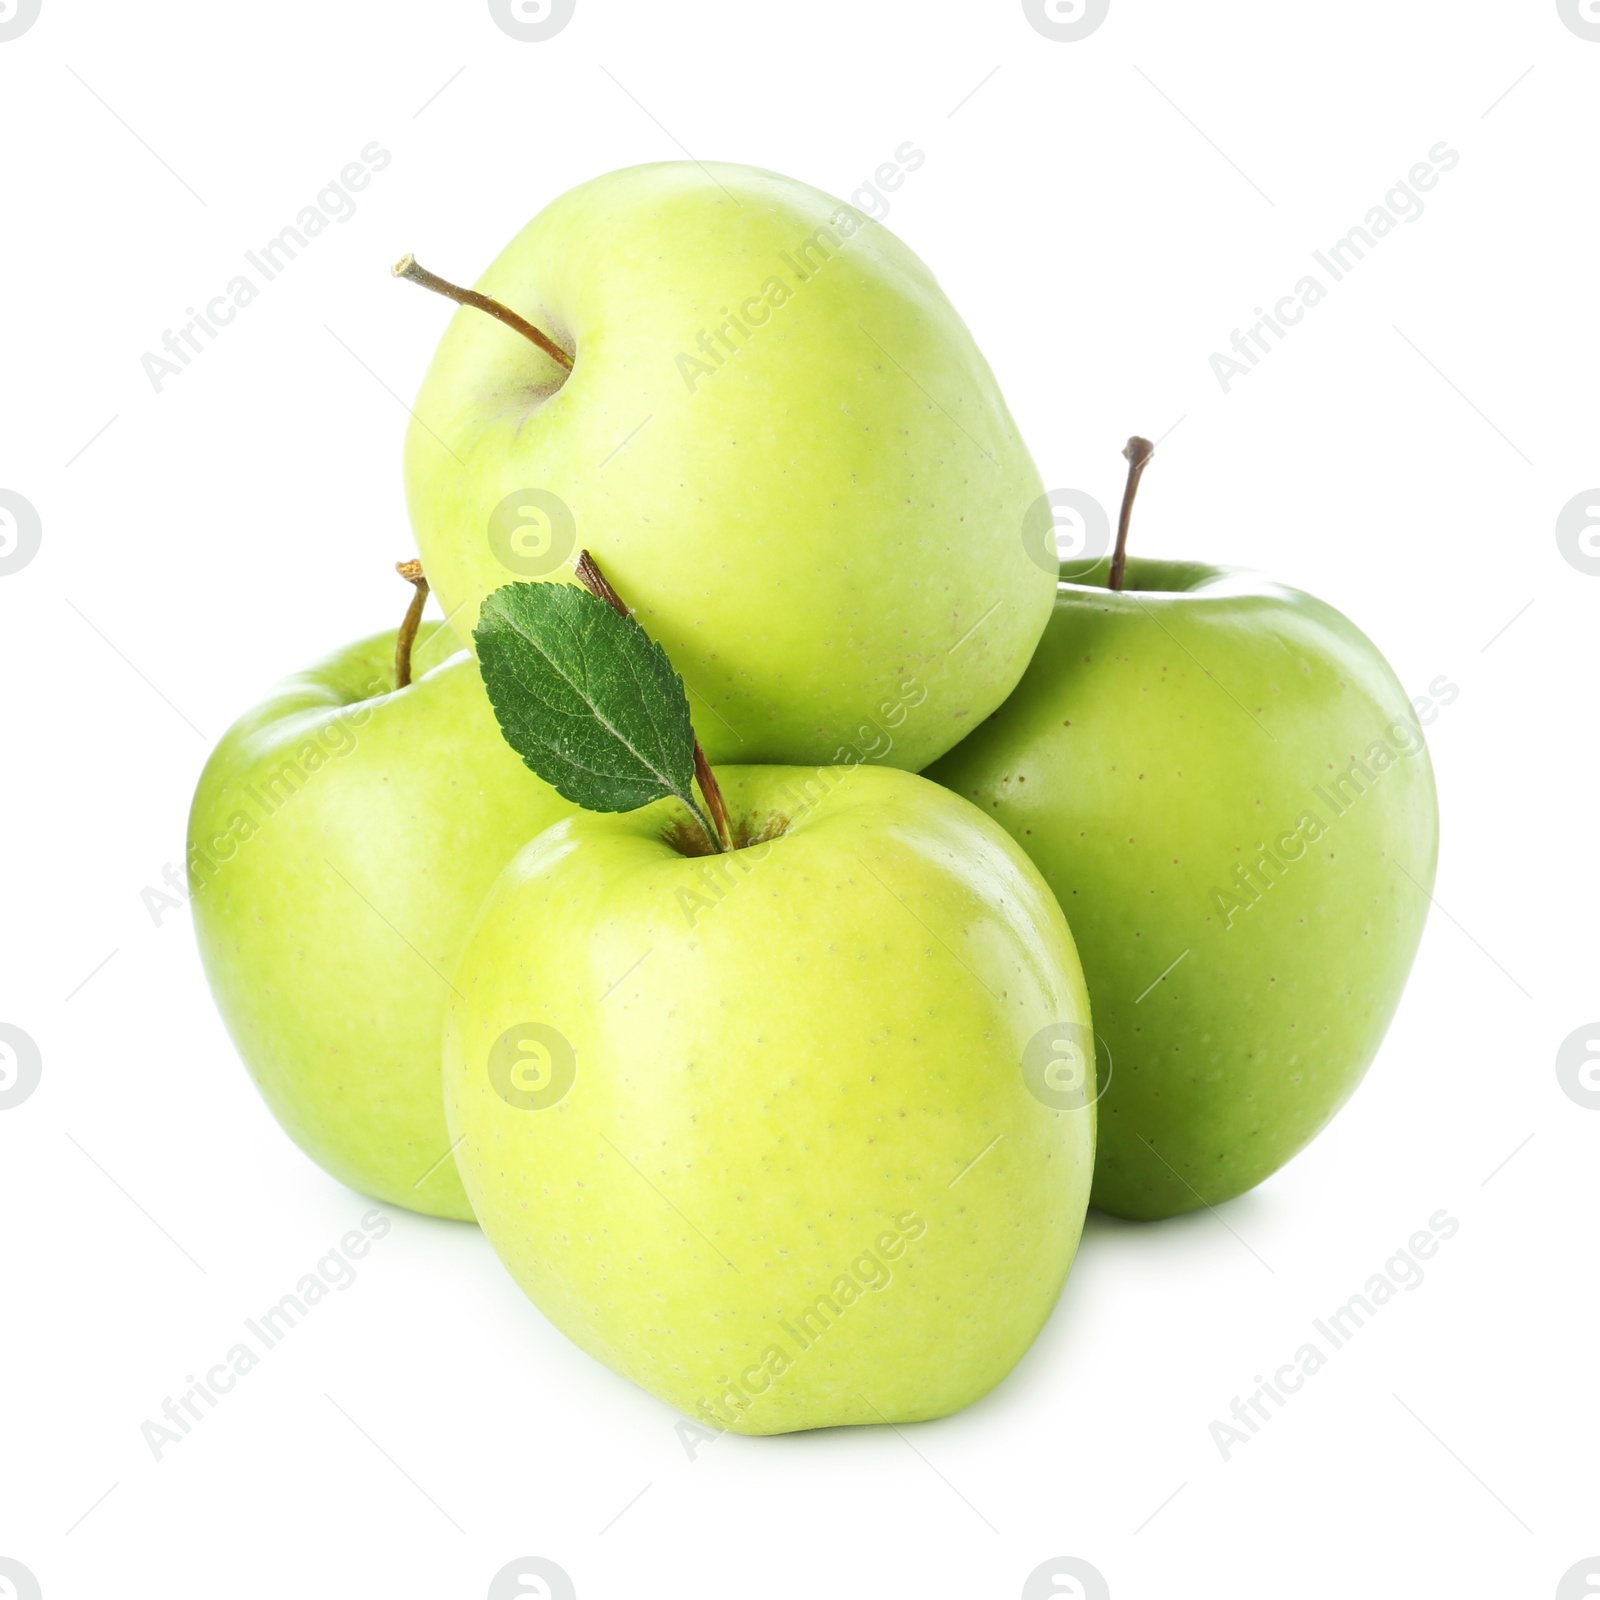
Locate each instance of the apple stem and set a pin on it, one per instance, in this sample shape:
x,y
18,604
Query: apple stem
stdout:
x,y
712,790
1137,453
412,572
407,267
595,581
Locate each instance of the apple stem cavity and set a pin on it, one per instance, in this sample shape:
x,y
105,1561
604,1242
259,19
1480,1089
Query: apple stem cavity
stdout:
x,y
412,572
408,267
1137,453
595,581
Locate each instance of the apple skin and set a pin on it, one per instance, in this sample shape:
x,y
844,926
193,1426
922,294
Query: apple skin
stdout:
x,y
1138,781
825,533
817,1077
408,799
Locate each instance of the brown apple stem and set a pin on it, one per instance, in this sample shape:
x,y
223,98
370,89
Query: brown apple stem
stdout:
x,y
407,267
715,804
595,581
412,572
1137,453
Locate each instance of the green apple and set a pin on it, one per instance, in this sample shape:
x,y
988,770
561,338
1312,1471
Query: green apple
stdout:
x,y
341,839
776,432
792,1136
1227,789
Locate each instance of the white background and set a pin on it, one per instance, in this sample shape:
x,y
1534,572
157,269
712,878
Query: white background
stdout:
x,y
1404,454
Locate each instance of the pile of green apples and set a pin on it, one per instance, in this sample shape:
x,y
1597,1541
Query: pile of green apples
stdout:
x,y
776,904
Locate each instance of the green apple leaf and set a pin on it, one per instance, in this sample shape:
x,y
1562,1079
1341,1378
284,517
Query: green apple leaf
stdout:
x,y
586,697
